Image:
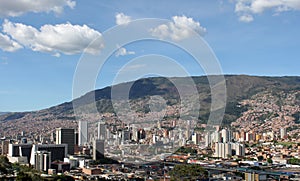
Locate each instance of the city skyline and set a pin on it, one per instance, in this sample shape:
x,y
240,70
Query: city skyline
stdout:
x,y
150,90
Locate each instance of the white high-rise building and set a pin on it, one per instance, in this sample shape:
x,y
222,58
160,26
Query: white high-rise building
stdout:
x,y
228,150
207,139
239,149
196,138
42,160
225,135
220,150
83,132
135,133
224,150
283,133
216,137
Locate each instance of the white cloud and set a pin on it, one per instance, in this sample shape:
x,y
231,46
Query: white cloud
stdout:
x,y
246,18
247,8
8,44
123,51
55,39
18,7
182,27
122,19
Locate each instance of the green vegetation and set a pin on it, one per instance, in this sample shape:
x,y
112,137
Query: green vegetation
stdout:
x,y
286,144
4,165
25,173
269,160
188,172
294,161
260,158
186,150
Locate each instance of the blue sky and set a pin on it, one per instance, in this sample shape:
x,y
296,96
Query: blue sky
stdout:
x,y
41,42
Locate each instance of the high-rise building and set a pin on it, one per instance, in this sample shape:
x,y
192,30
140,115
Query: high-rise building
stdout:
x,y
219,150
283,133
101,131
228,150
125,136
239,149
58,151
216,137
196,138
242,136
225,135
52,137
188,129
135,133
224,150
250,136
98,149
42,160
66,136
207,139
20,150
83,133
76,138
4,147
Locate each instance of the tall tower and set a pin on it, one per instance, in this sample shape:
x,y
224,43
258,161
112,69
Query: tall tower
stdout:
x,y
98,149
101,131
83,132
225,135
283,133
66,136
188,129
42,160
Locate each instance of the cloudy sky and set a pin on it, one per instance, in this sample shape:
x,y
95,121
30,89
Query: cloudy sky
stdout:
x,y
42,41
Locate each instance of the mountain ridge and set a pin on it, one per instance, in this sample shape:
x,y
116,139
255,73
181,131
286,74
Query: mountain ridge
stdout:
x,y
238,87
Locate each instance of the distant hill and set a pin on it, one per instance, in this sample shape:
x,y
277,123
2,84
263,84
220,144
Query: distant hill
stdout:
x,y
2,113
239,87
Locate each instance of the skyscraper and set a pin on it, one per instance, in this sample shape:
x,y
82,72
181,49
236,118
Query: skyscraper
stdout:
x,y
225,135
42,160
58,151
98,149
66,136
125,134
207,139
83,132
196,138
283,133
101,131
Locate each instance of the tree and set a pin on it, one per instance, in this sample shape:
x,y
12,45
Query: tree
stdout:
x,y
23,177
260,158
294,161
188,172
269,160
4,164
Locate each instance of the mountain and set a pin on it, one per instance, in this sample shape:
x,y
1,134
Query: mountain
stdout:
x,y
2,113
239,87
